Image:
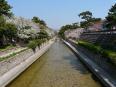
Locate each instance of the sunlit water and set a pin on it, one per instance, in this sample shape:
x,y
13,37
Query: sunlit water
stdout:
x,y
58,67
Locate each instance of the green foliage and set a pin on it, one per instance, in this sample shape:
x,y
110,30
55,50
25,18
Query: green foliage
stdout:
x,y
98,49
11,55
2,25
111,18
32,34
2,21
7,31
75,25
43,40
87,15
4,48
32,44
88,19
84,24
5,8
43,34
10,30
90,46
95,20
39,42
39,21
67,27
35,19
61,32
42,22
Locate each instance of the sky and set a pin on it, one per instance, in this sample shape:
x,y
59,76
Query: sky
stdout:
x,y
57,13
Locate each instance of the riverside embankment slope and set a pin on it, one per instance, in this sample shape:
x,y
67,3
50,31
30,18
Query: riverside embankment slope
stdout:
x,y
20,64
96,70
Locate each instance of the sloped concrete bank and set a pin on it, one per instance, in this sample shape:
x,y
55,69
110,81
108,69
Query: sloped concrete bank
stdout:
x,y
7,77
95,69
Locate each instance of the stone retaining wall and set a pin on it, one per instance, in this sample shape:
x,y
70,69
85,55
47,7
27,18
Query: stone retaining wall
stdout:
x,y
105,40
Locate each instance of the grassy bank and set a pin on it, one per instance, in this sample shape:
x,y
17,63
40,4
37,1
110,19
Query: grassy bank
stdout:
x,y
98,49
4,48
11,55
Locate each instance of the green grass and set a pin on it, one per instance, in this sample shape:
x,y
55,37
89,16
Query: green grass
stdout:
x,y
90,46
98,49
6,47
112,55
11,55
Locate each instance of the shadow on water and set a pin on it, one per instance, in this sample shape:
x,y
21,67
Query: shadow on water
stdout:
x,y
79,66
76,64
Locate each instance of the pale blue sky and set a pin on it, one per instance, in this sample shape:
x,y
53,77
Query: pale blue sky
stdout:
x,y
59,12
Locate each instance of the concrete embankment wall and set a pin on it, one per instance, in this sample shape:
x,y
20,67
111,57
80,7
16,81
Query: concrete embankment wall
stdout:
x,y
95,69
16,71
106,40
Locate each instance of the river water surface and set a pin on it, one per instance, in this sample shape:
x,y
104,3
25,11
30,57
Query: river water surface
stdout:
x,y
58,67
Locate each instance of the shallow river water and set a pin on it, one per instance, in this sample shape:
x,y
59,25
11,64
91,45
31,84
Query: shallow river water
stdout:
x,y
58,67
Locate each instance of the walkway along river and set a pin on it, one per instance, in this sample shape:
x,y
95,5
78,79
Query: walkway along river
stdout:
x,y
58,67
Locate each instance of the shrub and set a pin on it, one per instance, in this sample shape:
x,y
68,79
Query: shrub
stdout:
x,y
43,40
39,42
90,46
98,49
32,44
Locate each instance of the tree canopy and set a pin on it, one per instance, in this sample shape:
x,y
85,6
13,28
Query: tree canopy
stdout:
x,y
39,21
35,19
43,34
68,27
7,30
87,15
5,8
88,19
111,18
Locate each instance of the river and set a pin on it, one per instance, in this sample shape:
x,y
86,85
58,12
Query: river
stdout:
x,y
58,67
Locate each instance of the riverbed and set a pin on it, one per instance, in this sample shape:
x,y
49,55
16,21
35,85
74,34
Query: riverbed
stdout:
x,y
58,67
